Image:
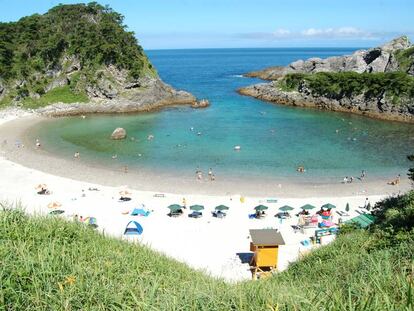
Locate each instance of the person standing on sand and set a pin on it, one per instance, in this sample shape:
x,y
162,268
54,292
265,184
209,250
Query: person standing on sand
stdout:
x,y
125,169
363,174
76,155
210,173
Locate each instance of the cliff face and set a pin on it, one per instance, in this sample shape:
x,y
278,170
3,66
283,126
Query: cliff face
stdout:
x,y
377,82
79,53
396,55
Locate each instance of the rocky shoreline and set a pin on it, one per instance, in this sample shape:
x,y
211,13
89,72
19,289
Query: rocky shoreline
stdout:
x,y
395,56
357,105
154,96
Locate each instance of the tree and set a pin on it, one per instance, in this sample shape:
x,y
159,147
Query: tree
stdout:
x,y
411,169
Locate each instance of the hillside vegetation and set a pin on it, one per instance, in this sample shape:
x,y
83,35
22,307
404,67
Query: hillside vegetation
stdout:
x,y
70,46
50,264
336,85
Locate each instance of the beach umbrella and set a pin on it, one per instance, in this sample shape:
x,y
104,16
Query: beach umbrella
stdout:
x,y
41,186
286,208
260,208
57,212
175,207
196,208
54,205
124,192
222,208
328,206
307,207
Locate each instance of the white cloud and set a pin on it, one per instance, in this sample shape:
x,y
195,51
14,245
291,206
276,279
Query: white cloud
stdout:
x,y
281,32
322,34
342,32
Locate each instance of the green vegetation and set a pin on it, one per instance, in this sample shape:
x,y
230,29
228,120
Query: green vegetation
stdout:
x,y
336,85
405,58
50,264
62,94
37,49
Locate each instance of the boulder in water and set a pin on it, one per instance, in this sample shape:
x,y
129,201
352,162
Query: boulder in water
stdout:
x,y
119,133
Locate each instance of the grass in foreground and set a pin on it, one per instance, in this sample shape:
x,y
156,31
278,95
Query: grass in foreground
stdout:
x,y
50,264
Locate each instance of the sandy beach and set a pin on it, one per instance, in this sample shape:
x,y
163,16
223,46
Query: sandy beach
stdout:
x,y
207,243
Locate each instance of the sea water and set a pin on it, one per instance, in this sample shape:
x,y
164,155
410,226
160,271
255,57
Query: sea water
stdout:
x,y
274,139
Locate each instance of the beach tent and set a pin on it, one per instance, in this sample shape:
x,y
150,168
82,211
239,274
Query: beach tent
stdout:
x,y
307,207
363,220
133,228
139,212
286,208
260,208
91,221
328,206
196,208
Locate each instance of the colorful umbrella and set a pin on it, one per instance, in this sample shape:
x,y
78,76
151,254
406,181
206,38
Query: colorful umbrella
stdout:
x,y
308,207
286,208
54,205
222,208
328,206
260,208
175,207
196,208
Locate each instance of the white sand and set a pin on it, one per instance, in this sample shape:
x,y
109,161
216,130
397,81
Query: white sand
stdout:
x,y
208,243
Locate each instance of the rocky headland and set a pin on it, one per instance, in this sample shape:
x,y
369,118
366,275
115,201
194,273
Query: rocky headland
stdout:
x,y
377,82
79,59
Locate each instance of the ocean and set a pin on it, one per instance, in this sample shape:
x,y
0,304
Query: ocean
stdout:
x,y
274,139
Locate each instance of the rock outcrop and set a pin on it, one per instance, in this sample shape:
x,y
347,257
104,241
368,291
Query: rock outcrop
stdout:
x,y
381,107
379,59
397,55
95,61
119,133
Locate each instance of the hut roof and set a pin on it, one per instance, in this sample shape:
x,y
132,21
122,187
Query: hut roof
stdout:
x,y
266,237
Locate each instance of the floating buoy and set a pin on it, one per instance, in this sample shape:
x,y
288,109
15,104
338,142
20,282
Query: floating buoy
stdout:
x,y
237,148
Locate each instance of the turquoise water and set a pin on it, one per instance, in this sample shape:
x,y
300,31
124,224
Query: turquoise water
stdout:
x,y
274,139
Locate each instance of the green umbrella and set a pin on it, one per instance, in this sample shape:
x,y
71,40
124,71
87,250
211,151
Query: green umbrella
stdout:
x,y
196,208
175,207
328,206
307,207
260,208
56,212
286,208
222,208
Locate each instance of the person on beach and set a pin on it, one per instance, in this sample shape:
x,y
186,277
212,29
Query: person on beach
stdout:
x,y
345,180
213,177
125,169
210,173
76,155
363,174
351,179
38,143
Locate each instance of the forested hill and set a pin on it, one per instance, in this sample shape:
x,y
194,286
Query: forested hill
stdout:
x,y
81,50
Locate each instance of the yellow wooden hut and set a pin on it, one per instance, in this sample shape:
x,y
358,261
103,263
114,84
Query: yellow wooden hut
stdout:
x,y
265,246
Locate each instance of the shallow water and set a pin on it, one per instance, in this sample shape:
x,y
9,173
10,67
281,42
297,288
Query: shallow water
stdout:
x,y
274,139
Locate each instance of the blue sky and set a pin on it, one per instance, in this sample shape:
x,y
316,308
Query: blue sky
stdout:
x,y
161,24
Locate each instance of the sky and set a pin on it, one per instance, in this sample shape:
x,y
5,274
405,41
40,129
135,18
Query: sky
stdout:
x,y
176,24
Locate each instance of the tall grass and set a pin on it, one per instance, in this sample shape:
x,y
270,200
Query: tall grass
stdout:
x,y
47,263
